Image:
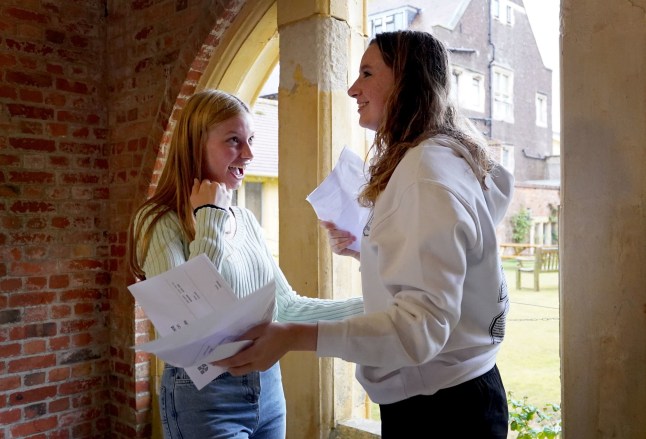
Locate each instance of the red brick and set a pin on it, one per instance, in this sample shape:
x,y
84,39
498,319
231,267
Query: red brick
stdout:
x,y
36,283
10,350
79,148
30,127
59,280
9,383
73,87
9,417
25,15
59,343
80,178
7,191
34,347
31,79
9,160
33,144
73,326
10,284
32,395
34,379
31,299
32,207
54,36
59,405
9,92
30,238
29,363
31,95
31,177
34,426
35,410
36,223
59,374
29,47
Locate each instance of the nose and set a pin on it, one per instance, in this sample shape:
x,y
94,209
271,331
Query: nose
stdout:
x,y
352,91
246,151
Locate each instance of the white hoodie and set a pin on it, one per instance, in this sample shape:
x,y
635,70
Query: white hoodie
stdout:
x,y
434,291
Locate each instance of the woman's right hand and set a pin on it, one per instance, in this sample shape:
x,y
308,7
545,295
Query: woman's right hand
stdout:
x,y
340,240
210,192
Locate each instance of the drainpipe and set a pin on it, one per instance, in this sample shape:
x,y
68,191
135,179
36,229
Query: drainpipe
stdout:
x,y
492,58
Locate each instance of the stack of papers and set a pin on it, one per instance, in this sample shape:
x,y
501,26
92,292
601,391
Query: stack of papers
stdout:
x,y
336,198
198,317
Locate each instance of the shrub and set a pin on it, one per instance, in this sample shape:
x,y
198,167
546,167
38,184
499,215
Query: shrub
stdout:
x,y
521,223
532,423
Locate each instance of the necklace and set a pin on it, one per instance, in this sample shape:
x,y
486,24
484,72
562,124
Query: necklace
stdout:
x,y
231,226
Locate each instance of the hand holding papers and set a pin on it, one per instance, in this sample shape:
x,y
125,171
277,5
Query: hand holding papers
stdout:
x,y
335,199
197,316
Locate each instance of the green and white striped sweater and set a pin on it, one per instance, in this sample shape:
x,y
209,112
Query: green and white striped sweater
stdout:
x,y
244,261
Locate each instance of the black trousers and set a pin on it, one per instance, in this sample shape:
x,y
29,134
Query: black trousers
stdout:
x,y
476,409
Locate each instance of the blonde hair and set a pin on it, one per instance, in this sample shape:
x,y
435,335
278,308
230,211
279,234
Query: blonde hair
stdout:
x,y
201,112
419,107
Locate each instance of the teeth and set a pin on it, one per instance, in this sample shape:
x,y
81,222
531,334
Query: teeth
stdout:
x,y
237,170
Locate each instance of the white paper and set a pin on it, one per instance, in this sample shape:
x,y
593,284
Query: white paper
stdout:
x,y
198,316
335,199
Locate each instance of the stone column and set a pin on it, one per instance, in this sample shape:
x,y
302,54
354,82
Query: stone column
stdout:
x,y
319,47
603,280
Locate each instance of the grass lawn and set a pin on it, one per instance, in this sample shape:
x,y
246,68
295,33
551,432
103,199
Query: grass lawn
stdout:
x,y
529,359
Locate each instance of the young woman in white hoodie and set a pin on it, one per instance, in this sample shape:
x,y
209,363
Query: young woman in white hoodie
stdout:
x,y
434,291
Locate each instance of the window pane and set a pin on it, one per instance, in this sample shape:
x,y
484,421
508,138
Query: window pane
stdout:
x,y
253,199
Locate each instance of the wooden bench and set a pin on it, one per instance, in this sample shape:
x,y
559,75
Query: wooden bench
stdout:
x,y
546,260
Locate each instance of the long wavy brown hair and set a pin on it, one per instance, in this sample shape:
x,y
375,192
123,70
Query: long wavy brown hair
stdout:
x,y
202,111
419,107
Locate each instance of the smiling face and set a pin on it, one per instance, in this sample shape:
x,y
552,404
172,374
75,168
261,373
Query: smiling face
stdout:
x,y
372,88
227,150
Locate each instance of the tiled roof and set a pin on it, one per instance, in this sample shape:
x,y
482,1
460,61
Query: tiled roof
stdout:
x,y
446,13
265,149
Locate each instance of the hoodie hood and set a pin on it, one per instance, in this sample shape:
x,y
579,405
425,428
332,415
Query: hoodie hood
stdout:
x,y
500,182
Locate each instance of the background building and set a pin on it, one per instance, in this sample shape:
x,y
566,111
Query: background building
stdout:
x,y
500,82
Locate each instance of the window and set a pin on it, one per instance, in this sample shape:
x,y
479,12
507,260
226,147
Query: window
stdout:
x,y
476,93
503,88
467,89
391,20
507,157
253,198
455,86
503,11
541,110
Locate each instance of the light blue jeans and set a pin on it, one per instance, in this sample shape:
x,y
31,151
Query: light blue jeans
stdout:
x,y
247,407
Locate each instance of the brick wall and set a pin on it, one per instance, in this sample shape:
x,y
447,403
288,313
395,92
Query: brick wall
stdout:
x,y
87,88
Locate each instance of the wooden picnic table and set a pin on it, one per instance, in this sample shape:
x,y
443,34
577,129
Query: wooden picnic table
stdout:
x,y
517,250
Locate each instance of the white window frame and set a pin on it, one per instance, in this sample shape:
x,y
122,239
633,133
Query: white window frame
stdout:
x,y
391,20
503,11
503,94
463,93
541,109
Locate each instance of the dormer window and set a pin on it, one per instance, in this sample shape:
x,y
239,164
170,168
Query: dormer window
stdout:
x,y
392,20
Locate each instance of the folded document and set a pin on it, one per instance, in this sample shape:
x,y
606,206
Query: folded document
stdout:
x,y
198,317
335,199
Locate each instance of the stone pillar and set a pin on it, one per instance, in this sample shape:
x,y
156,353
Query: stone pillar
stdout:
x,y
319,48
603,281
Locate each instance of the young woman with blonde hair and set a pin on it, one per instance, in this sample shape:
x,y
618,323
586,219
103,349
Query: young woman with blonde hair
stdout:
x,y
190,214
